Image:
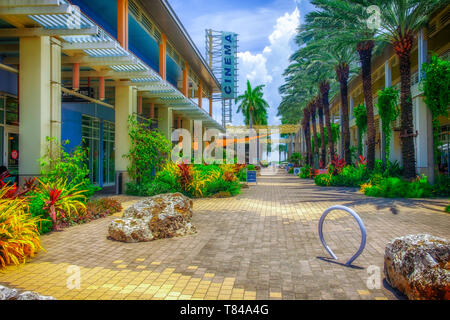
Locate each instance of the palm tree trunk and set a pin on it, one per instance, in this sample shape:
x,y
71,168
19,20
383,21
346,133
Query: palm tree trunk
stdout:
x,y
343,72
325,90
314,130
407,127
323,153
365,54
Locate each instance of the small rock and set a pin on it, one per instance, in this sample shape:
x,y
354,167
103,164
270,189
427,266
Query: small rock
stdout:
x,y
419,266
162,216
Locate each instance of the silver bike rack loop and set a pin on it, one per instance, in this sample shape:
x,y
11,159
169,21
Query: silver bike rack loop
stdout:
x,y
361,226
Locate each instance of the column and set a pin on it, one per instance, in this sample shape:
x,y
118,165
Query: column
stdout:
x,y
387,84
123,109
39,100
55,58
200,94
163,57
165,119
210,106
423,119
186,80
122,23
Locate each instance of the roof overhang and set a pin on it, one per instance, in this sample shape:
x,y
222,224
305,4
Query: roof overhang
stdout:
x,y
168,22
93,46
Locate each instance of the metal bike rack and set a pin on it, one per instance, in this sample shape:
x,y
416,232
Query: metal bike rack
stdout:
x,y
361,226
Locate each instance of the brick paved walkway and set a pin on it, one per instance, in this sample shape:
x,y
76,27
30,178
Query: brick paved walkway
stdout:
x,y
262,244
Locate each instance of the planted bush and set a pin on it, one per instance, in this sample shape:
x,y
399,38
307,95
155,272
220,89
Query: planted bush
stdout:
x,y
57,163
19,235
394,187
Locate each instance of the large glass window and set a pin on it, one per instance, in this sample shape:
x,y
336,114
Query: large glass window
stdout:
x,y
90,132
12,111
108,153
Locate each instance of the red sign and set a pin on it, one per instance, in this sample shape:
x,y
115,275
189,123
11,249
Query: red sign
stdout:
x,y
14,154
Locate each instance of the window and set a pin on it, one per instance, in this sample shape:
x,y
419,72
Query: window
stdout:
x,y
12,111
90,132
108,153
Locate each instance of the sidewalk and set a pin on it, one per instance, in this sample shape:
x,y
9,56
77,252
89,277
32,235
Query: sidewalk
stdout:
x,y
262,244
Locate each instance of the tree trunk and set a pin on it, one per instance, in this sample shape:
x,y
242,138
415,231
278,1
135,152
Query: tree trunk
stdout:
x,y
323,153
325,90
314,130
365,54
403,49
343,72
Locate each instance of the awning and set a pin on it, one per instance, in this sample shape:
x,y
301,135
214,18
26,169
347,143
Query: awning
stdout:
x,y
102,52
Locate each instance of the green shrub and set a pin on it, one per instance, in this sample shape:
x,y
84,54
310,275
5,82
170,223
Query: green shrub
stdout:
x,y
305,172
394,187
291,170
242,175
447,209
219,185
325,180
442,186
36,205
58,163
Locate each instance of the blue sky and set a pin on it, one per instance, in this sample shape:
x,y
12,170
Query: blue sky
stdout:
x,y
266,29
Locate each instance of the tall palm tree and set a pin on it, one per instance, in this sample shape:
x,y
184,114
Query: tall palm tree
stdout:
x,y
307,134
352,17
401,21
312,110
324,93
323,153
253,106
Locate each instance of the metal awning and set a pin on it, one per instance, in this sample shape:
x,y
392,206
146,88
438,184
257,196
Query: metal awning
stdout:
x,y
61,19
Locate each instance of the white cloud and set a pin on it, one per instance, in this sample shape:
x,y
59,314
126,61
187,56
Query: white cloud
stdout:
x,y
268,66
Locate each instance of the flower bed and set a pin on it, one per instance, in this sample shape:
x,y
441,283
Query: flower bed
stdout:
x,y
192,180
381,182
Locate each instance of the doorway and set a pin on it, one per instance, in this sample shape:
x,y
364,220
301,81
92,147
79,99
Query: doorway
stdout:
x,y
11,150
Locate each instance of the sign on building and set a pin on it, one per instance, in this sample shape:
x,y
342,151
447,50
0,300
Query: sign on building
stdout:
x,y
229,49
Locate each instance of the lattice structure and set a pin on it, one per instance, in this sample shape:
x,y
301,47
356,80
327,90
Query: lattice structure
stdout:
x,y
214,58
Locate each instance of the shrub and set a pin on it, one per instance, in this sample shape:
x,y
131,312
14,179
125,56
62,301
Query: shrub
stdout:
x,y
442,186
324,180
291,170
296,158
97,209
58,163
447,209
19,236
36,209
305,172
62,203
149,151
394,187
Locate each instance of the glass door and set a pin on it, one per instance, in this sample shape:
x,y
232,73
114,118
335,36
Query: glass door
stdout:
x,y
12,150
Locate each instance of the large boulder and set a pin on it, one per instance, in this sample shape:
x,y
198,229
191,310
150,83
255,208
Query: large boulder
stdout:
x,y
13,294
419,266
162,216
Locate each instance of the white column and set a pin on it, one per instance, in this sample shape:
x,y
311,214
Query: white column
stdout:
x,y
35,102
124,108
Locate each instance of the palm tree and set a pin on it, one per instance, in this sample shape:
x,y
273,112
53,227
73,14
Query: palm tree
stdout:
x,y
323,154
401,21
253,106
312,110
352,17
307,134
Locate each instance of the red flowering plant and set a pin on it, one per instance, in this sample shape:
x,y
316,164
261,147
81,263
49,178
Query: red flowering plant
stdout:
x,y
362,161
337,165
61,203
14,191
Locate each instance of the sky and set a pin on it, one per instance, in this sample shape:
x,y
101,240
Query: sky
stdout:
x,y
266,31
